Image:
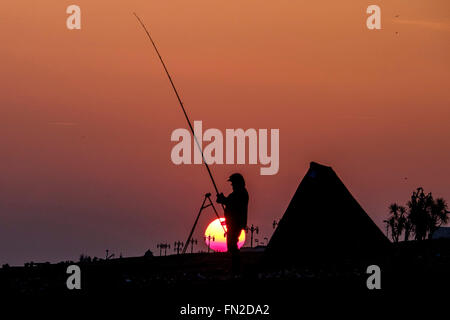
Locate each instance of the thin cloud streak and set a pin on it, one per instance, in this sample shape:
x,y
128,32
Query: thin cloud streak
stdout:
x,y
64,123
426,24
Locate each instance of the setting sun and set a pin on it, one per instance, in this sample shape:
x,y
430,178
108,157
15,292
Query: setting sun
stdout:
x,y
219,244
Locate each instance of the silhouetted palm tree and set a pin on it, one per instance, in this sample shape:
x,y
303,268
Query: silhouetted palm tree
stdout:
x,y
419,207
423,217
408,227
439,216
396,221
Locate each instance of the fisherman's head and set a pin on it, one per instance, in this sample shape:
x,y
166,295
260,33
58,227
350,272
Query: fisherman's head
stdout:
x,y
237,181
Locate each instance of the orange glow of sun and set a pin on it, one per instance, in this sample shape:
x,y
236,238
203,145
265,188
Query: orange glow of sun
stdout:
x,y
215,230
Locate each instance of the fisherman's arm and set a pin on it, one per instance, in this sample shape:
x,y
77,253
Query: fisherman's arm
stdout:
x,y
222,199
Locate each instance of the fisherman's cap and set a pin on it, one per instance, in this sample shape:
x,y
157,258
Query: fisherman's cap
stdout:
x,y
237,177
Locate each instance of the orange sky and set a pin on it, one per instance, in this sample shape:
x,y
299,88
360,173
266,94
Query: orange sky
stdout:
x,y
86,115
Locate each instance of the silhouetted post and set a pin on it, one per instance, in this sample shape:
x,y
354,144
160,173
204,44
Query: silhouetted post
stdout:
x,y
177,246
251,229
160,248
209,238
163,246
274,224
165,249
192,242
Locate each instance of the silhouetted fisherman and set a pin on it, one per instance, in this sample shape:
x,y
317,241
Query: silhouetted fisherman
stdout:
x,y
236,205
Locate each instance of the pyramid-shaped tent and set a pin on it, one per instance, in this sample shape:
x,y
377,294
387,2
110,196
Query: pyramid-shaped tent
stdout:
x,y
323,220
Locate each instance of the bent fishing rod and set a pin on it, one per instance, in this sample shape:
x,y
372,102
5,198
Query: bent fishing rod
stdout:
x,y
181,104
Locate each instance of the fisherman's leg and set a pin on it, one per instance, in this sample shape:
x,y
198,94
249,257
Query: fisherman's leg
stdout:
x,y
232,241
235,256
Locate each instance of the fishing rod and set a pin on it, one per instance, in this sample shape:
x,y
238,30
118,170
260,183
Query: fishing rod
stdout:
x,y
181,105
